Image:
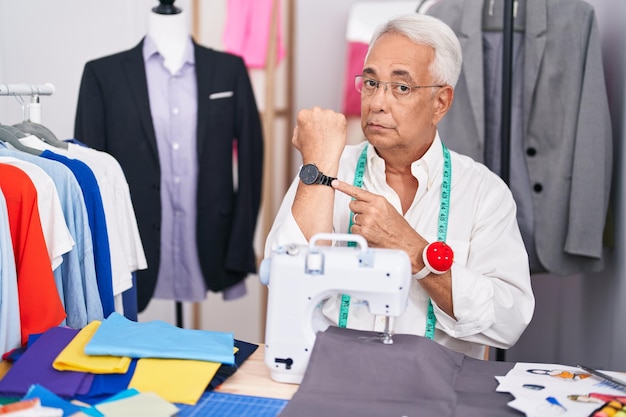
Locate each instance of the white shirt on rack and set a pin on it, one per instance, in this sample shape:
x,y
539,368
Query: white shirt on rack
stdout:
x,y
122,207
120,265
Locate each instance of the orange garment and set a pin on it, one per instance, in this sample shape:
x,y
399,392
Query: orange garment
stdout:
x,y
40,304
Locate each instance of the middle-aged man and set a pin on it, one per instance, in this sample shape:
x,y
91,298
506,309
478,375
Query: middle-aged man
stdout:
x,y
409,191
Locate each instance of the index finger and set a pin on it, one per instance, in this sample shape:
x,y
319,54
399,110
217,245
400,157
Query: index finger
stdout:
x,y
354,192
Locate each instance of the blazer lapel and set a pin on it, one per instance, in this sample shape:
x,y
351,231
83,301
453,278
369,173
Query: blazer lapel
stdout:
x,y
535,43
204,75
134,69
470,37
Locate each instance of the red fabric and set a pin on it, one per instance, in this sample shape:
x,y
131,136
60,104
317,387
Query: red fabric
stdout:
x,y
40,304
354,66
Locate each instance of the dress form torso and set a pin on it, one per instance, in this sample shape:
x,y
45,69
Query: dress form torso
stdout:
x,y
170,33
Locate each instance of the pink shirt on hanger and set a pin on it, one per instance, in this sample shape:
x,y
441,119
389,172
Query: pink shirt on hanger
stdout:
x,y
247,31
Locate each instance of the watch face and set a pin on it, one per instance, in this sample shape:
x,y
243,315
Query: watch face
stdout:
x,y
309,173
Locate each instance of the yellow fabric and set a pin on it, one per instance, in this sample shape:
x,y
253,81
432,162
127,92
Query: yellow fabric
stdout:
x,y
176,380
4,368
73,357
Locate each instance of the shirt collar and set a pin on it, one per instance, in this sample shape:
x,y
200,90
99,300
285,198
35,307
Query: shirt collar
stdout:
x,y
150,50
431,161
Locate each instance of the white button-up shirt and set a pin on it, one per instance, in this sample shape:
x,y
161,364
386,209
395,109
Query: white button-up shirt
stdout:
x,y
491,290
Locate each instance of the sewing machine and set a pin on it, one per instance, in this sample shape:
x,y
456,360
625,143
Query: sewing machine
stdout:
x,y
300,277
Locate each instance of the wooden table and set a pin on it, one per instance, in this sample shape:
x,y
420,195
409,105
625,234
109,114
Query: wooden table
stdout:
x,y
253,378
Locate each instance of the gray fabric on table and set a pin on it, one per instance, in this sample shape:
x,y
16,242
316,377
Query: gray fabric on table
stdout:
x,y
351,373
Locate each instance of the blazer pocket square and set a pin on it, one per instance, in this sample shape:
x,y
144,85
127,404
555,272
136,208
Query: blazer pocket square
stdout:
x,y
222,94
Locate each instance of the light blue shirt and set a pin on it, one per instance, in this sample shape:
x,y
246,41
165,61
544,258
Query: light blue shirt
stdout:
x,y
97,224
119,336
10,336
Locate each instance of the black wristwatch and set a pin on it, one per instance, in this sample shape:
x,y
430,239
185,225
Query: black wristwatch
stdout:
x,y
309,174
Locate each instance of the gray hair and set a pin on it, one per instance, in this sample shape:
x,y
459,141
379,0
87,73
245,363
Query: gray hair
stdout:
x,y
427,30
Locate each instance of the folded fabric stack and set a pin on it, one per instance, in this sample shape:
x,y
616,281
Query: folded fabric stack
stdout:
x,y
118,362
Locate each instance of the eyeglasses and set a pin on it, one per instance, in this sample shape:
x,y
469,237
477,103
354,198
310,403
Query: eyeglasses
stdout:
x,y
369,86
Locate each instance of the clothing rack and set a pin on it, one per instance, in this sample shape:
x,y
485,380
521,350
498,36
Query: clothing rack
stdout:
x,y
507,85
32,90
26,89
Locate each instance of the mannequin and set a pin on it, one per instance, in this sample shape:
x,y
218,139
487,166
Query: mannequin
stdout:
x,y
170,111
170,32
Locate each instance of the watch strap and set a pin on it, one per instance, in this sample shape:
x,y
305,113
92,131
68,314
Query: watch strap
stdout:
x,y
324,179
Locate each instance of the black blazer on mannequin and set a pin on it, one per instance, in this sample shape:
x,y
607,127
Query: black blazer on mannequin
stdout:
x,y
113,115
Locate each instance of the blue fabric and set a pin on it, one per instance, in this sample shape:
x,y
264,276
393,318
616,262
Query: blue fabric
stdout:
x,y
118,336
76,276
129,300
97,223
75,142
105,385
130,392
49,399
15,354
244,351
35,366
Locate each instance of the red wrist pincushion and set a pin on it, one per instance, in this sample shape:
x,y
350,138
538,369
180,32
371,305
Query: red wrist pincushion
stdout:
x,y
438,258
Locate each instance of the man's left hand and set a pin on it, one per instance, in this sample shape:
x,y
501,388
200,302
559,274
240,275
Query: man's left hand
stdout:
x,y
379,222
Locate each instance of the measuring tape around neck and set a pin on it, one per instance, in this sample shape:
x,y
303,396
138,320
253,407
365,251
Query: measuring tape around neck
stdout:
x,y
442,230
358,182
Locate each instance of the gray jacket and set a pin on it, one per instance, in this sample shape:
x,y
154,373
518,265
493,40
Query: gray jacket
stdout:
x,y
566,123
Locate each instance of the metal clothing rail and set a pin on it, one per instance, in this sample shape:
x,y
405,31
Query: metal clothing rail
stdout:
x,y
507,85
32,110
26,89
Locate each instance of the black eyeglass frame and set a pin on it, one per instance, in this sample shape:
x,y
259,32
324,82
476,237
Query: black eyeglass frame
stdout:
x,y
360,80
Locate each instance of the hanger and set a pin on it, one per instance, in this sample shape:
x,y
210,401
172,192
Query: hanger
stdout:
x,y
166,7
493,15
18,133
7,135
41,132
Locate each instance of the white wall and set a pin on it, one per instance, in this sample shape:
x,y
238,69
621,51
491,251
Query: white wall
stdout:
x,y
611,16
50,41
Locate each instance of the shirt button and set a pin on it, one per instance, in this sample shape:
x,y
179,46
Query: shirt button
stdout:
x,y
176,180
176,146
175,110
